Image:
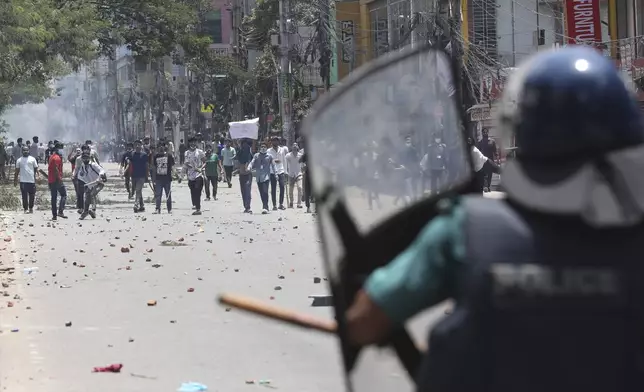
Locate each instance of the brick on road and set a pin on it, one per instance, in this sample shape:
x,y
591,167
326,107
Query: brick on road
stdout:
x,y
83,278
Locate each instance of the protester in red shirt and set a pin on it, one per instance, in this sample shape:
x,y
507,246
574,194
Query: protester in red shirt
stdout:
x,y
56,185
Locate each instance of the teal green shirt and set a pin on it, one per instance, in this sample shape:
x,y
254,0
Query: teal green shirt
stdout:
x,y
424,274
212,165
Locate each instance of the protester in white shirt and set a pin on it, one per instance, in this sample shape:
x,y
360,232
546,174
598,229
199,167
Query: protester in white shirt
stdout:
x,y
294,173
33,148
171,148
26,168
195,160
92,176
278,153
228,154
479,161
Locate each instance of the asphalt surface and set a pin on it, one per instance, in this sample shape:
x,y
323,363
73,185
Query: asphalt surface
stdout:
x,y
86,305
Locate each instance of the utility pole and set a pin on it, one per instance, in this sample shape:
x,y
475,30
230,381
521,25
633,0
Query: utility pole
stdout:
x,y
117,102
463,92
284,89
160,99
514,42
325,16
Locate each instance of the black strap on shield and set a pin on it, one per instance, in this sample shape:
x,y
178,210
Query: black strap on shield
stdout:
x,y
352,277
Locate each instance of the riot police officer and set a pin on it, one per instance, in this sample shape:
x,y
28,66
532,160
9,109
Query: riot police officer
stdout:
x,y
547,283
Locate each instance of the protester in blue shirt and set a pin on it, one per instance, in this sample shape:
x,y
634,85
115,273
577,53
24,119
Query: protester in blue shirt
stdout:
x,y
140,170
263,164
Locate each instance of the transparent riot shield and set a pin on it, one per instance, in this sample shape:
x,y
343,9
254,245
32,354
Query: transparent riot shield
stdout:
x,y
390,138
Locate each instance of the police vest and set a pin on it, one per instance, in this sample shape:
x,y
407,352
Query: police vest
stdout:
x,y
543,304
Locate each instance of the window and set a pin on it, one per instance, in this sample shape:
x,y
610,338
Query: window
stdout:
x,y
483,30
379,29
140,65
212,26
400,23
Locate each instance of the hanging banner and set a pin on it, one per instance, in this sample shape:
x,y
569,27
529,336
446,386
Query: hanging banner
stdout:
x,y
244,129
347,41
583,23
348,30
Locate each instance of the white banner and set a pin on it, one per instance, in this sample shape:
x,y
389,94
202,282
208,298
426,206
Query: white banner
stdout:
x,y
244,129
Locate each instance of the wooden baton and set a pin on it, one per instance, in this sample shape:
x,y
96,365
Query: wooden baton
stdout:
x,y
278,313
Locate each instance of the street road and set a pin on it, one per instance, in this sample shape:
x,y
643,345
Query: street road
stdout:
x,y
87,303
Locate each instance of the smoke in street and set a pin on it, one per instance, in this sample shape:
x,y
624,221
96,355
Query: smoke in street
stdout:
x,y
67,116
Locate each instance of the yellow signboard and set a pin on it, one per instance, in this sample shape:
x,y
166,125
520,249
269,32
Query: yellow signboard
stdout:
x,y
207,109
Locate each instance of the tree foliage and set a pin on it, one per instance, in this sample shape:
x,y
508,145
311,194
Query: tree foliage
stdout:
x,y
219,82
263,22
41,40
38,42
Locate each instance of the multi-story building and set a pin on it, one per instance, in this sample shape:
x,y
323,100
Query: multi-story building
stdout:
x,y
219,26
500,34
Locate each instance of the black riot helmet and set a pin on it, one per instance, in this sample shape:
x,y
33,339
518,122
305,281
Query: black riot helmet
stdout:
x,y
578,131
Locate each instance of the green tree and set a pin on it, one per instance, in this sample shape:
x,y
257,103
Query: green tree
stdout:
x,y
220,82
258,28
39,42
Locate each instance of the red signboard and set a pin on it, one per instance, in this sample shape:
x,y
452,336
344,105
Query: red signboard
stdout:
x,y
583,22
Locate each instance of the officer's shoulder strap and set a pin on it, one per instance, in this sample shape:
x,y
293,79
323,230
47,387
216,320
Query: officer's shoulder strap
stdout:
x,y
494,227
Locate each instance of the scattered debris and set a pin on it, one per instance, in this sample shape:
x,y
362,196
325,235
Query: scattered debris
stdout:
x,y
192,387
172,243
259,382
321,300
142,376
113,368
